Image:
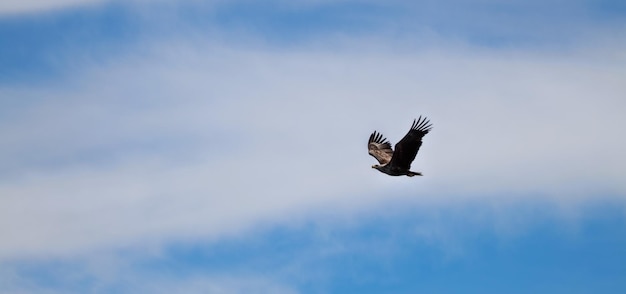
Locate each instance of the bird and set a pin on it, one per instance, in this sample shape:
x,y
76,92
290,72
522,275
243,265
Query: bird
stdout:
x,y
398,162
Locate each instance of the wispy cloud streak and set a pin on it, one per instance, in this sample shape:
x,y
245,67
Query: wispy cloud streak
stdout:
x,y
126,167
10,7
212,139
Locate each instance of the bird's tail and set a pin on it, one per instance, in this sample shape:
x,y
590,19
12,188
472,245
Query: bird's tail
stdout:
x,y
411,174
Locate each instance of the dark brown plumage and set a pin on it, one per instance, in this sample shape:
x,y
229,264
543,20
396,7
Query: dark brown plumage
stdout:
x,y
399,162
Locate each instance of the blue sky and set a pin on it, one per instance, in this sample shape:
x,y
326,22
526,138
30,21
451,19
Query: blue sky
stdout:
x,y
219,146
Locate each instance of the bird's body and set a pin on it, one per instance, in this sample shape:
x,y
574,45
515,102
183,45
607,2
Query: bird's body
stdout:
x,y
398,162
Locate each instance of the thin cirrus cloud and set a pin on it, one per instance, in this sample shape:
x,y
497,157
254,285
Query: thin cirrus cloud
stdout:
x,y
88,160
197,135
12,7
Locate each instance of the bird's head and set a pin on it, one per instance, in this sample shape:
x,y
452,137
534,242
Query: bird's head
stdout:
x,y
376,166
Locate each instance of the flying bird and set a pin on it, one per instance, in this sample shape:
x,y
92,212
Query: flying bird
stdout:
x,y
398,163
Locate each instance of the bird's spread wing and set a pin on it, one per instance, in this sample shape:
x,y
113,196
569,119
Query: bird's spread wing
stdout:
x,y
379,147
407,148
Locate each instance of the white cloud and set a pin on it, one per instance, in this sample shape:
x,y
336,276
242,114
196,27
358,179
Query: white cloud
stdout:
x,y
16,7
200,140
29,6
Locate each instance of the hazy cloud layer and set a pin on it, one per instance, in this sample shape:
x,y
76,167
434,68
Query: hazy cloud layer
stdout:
x,y
199,140
220,146
29,6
